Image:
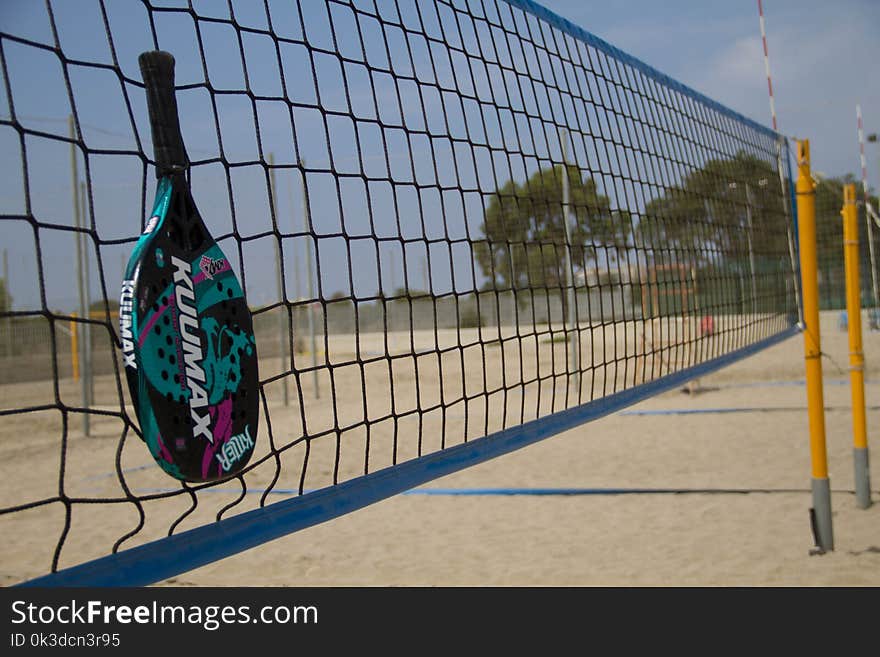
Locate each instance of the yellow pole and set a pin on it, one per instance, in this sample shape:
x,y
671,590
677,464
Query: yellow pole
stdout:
x,y
74,348
856,355
821,488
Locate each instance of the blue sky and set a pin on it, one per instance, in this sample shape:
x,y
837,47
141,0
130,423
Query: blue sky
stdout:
x,y
820,58
823,60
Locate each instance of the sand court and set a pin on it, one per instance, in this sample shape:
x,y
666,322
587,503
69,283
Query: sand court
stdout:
x,y
727,467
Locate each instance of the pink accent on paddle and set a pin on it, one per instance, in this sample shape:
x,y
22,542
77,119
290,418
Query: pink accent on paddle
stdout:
x,y
221,415
163,450
150,322
198,278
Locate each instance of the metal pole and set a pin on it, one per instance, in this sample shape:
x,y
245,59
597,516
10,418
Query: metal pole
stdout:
x,y
785,189
311,285
513,290
74,347
696,296
873,257
393,277
821,487
571,319
856,355
296,314
779,142
870,223
751,250
874,315
283,334
426,285
87,332
83,309
7,325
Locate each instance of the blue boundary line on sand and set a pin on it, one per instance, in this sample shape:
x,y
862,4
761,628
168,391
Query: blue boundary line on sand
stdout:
x,y
790,382
575,492
723,410
178,553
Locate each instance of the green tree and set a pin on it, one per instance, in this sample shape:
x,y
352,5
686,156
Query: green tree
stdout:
x,y
727,223
829,241
729,214
708,215
525,241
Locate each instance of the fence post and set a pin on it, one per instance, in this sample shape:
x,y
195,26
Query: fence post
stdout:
x,y
856,355
7,324
307,227
88,375
821,488
74,347
83,304
570,320
283,331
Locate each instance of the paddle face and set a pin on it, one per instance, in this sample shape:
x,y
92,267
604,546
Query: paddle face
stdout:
x,y
188,343
191,362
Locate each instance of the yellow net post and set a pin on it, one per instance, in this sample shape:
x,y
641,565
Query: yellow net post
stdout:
x,y
856,355
821,488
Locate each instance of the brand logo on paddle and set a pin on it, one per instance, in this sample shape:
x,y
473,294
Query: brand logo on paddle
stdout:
x,y
192,348
126,301
235,448
210,266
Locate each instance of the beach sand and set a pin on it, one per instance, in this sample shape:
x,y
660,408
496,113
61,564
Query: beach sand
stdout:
x,y
732,507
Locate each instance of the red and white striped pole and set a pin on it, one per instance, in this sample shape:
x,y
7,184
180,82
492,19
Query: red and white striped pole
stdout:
x,y
862,152
782,184
868,218
767,65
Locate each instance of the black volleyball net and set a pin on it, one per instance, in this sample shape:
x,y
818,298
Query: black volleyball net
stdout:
x,y
461,227
829,243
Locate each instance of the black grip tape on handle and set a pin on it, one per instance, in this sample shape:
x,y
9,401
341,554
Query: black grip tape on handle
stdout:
x,y
157,69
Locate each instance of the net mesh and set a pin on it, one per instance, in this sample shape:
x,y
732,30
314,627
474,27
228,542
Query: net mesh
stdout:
x,y
829,242
449,218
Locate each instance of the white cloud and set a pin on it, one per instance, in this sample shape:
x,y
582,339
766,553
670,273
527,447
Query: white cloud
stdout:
x,y
741,64
818,77
822,61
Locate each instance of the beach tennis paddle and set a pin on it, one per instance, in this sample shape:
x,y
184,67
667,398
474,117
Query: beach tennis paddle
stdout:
x,y
186,331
